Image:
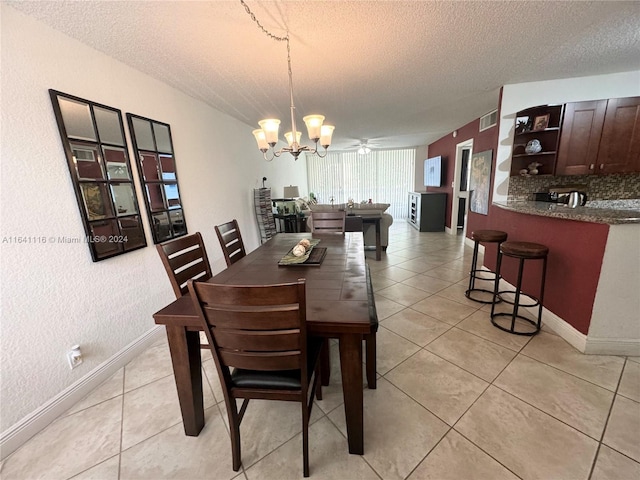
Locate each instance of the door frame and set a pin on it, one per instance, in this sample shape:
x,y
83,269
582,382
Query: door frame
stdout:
x,y
457,194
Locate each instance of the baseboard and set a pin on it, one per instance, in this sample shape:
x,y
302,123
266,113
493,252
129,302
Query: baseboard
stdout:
x,y
15,436
613,346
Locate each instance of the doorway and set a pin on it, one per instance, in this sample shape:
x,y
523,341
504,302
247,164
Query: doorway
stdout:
x,y
460,199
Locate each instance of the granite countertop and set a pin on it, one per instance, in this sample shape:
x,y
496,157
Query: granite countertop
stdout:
x,y
611,212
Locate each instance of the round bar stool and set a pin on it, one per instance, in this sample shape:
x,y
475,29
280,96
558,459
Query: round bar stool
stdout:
x,y
522,251
483,236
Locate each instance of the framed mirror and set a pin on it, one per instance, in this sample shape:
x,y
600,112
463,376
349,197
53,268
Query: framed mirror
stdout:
x,y
158,176
97,155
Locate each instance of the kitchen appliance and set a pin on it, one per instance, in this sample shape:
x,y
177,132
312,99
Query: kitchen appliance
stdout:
x,y
576,199
561,194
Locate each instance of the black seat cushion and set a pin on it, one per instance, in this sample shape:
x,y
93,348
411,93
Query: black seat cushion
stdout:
x,y
278,379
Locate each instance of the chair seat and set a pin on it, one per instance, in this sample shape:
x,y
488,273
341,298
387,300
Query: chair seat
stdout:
x,y
278,379
490,236
524,249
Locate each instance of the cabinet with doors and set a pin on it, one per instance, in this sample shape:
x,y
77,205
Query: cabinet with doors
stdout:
x,y
427,211
600,137
541,124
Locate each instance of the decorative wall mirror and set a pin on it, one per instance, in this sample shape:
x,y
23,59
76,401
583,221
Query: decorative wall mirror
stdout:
x,y
97,155
158,176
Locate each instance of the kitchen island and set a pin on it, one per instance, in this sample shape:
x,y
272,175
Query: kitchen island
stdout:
x,y
592,295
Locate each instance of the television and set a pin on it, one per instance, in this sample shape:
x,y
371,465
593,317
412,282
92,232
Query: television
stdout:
x,y
433,172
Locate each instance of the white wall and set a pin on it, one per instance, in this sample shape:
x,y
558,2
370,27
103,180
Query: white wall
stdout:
x,y
615,309
53,295
524,95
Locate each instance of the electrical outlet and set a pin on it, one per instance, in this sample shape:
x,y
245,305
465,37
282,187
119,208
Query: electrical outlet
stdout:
x,y
74,356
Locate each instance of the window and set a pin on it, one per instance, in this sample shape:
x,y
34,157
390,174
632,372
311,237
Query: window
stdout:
x,y
384,176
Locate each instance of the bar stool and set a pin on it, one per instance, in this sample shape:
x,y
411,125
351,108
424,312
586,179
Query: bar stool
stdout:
x,y
482,236
522,251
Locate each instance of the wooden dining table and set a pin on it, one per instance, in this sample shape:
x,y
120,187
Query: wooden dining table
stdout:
x,y
337,307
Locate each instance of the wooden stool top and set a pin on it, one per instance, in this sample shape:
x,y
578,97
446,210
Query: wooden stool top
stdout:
x,y
490,236
524,249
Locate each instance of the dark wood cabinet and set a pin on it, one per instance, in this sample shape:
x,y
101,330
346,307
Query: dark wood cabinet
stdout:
x,y
427,211
620,143
600,137
580,139
540,123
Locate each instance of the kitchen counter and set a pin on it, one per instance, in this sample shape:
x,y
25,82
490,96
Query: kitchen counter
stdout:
x,y
598,213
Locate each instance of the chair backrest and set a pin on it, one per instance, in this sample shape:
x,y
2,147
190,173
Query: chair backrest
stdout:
x,y
231,241
254,327
328,222
184,258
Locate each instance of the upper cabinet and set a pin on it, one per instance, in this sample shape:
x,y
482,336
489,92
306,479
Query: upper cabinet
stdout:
x,y
600,137
535,143
581,132
620,143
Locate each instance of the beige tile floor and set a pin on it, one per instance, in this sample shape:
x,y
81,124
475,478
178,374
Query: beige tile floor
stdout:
x,y
456,399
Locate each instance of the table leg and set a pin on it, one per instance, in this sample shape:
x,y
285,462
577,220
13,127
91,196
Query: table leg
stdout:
x,y
185,356
378,242
351,367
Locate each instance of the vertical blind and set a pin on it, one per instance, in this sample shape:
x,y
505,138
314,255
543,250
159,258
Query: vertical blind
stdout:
x,y
384,176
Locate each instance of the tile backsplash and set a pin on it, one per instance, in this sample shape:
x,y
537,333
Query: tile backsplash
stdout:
x,y
614,186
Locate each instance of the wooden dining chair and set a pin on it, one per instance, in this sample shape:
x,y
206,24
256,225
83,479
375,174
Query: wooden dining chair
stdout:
x,y
177,254
328,222
260,348
231,241
185,258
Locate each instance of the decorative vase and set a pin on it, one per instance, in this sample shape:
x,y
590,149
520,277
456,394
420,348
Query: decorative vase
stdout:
x,y
533,146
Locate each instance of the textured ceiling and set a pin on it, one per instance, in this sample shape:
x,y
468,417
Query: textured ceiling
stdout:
x,y
401,73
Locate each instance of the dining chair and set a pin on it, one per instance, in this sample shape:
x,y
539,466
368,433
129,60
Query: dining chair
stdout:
x,y
260,348
328,222
185,258
231,241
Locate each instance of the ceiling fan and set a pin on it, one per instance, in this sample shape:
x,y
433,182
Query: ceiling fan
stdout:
x,y
365,146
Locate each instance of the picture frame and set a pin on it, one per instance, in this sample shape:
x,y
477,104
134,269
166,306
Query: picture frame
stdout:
x,y
480,182
541,122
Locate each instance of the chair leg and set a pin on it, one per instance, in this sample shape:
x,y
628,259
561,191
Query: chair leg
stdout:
x,y
234,429
325,362
305,440
370,344
318,383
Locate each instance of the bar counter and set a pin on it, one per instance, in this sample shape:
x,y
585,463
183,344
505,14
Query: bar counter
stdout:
x,y
621,213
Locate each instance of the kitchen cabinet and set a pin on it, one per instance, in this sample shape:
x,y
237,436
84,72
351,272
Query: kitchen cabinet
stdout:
x,y
600,137
620,143
427,211
540,123
580,139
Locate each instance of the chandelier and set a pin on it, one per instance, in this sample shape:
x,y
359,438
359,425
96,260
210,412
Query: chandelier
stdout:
x,y
267,135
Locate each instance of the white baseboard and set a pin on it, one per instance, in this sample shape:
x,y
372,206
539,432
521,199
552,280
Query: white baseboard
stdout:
x,y
580,341
613,346
554,322
15,436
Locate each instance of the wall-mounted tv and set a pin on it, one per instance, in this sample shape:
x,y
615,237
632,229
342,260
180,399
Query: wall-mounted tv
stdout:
x,y
433,172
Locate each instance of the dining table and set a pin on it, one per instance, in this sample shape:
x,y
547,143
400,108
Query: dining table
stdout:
x,y
337,307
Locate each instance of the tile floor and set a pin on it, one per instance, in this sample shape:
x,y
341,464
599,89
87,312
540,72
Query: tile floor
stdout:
x,y
456,399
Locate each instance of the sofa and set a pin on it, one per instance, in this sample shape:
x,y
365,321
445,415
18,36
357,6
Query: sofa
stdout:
x,y
358,209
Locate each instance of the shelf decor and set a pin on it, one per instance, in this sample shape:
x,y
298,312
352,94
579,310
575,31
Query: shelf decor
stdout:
x,y
541,122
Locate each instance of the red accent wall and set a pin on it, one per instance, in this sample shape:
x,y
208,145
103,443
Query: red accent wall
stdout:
x,y
446,147
576,250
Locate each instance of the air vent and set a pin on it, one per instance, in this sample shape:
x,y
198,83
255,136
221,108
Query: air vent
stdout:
x,y
489,120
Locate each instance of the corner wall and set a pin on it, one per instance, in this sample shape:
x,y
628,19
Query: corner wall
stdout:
x,y
53,296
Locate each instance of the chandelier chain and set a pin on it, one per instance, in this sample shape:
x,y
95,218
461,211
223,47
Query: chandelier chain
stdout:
x,y
267,32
